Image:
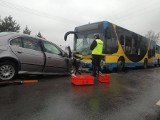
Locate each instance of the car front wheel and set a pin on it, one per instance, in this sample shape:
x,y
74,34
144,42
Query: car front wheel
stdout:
x,y
7,71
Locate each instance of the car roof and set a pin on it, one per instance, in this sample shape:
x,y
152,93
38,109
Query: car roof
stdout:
x,y
14,34
9,35
5,36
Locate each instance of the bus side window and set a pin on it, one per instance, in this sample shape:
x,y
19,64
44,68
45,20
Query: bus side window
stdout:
x,y
122,42
128,44
151,51
138,45
135,45
139,51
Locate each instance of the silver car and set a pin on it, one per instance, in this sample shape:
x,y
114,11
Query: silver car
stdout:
x,y
25,54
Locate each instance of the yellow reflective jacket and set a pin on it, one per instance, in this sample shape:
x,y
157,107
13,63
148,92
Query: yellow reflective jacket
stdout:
x,y
98,49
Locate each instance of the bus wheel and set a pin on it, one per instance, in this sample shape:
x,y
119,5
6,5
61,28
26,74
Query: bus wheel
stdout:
x,y
120,64
145,64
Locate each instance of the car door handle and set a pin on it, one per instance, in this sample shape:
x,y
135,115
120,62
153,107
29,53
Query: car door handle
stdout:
x,y
19,52
49,57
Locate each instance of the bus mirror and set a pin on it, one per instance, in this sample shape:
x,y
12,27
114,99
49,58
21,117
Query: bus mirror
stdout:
x,y
65,37
70,32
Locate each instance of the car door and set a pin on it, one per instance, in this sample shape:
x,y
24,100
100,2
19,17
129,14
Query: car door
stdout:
x,y
55,62
32,56
29,53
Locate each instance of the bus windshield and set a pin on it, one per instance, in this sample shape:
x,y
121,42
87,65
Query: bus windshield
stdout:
x,y
83,43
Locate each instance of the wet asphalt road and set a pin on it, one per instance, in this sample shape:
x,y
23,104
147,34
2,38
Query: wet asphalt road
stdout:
x,y
131,95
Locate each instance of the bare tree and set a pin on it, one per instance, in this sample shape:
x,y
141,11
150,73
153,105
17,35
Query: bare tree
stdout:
x,y
153,36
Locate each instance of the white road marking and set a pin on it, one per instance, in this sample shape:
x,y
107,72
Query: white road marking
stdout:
x,y
158,103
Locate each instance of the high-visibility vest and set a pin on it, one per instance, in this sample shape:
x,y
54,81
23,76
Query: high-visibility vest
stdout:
x,y
98,49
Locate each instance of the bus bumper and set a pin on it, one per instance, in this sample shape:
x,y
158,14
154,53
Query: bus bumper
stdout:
x,y
86,65
110,65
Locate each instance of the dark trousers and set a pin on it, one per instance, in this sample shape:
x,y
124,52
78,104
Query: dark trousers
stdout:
x,y
96,60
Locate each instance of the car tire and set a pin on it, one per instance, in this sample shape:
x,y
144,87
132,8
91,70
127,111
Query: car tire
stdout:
x,y
8,71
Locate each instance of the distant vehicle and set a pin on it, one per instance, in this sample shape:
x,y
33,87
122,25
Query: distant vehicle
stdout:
x,y
25,54
122,48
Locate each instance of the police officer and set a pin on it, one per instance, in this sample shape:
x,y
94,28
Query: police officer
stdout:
x,y
96,47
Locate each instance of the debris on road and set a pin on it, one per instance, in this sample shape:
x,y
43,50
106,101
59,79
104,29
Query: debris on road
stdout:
x,y
17,82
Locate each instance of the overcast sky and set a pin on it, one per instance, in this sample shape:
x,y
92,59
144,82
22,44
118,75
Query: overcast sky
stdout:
x,y
53,18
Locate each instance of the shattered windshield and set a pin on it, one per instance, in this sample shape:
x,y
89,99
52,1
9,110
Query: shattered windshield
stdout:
x,y
83,43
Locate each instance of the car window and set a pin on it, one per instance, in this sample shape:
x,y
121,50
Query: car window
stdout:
x,y
31,43
51,48
16,42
